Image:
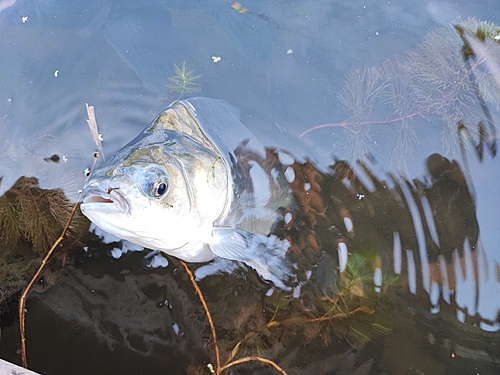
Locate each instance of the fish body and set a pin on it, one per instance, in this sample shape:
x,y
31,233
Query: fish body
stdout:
x,y
191,186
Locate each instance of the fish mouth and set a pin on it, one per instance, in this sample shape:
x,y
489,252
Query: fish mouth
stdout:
x,y
94,199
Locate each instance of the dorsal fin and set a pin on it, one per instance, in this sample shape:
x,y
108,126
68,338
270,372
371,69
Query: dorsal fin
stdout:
x,y
178,117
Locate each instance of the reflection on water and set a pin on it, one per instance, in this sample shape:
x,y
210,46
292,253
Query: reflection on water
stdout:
x,y
446,77
396,253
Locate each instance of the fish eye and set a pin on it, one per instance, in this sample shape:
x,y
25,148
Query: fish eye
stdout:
x,y
160,189
153,182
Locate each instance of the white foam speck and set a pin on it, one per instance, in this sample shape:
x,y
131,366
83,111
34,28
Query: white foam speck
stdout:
x,y
116,253
105,236
260,182
377,279
342,253
289,175
397,253
296,292
288,218
129,246
285,158
348,224
158,261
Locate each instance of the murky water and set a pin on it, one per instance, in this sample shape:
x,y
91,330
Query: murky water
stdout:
x,y
387,83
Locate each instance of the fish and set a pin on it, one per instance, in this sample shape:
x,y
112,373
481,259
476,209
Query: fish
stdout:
x,y
186,186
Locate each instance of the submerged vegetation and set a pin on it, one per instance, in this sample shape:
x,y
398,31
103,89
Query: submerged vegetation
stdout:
x,y
34,215
449,77
352,315
353,311
184,82
31,219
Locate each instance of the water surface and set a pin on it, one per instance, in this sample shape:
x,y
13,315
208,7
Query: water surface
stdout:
x,y
384,82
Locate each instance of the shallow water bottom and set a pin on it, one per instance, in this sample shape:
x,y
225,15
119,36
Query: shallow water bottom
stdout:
x,y
116,316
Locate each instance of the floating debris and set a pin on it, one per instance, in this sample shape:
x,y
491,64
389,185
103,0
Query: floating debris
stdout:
x,y
54,158
92,123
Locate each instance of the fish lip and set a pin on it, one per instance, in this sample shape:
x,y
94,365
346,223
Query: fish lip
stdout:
x,y
95,199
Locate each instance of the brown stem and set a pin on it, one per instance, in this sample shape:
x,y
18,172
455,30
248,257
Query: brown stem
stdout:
x,y
253,358
219,369
343,124
341,315
209,316
22,300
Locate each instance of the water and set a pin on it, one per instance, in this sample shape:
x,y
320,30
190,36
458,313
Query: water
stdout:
x,y
288,67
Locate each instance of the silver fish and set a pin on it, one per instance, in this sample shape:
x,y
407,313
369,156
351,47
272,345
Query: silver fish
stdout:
x,y
179,187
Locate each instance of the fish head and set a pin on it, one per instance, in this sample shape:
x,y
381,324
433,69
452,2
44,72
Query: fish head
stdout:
x,y
162,191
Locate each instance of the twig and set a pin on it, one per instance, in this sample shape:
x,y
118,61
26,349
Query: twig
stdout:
x,y
253,358
219,369
22,300
325,317
230,362
91,121
343,124
341,315
207,311
237,346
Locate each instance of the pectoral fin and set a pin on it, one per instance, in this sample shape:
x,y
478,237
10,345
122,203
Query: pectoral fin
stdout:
x,y
265,254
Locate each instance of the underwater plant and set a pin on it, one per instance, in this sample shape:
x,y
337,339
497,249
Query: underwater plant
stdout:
x,y
31,219
34,215
448,79
353,311
184,82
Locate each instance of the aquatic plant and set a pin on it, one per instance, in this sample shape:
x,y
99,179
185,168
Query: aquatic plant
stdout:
x,y
451,76
34,215
442,85
218,368
353,311
31,219
184,82
256,330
